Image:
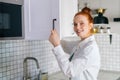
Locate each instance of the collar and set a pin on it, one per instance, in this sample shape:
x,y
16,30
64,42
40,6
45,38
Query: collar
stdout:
x,y
88,39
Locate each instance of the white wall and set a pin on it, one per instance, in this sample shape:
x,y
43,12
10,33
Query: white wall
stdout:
x,y
115,27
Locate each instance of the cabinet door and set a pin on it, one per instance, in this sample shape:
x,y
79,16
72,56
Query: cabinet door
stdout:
x,y
64,11
38,19
56,15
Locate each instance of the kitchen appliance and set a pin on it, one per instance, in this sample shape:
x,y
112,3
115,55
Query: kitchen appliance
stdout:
x,y
100,19
11,19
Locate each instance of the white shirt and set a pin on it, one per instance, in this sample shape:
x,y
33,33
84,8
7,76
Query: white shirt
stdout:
x,y
85,63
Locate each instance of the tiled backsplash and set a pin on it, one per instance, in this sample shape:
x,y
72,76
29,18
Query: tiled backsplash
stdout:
x,y
110,53
13,52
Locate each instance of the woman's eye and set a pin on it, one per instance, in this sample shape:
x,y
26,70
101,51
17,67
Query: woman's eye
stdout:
x,y
75,24
81,23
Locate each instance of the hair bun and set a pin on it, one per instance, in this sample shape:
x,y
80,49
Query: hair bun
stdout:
x,y
86,10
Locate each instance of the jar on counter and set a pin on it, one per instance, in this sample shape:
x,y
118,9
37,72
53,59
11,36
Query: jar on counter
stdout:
x,y
101,29
108,30
44,76
95,29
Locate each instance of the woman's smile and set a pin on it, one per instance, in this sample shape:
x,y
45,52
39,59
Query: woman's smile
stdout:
x,y
79,32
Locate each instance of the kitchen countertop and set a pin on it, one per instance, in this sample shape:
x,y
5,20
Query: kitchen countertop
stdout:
x,y
57,76
103,75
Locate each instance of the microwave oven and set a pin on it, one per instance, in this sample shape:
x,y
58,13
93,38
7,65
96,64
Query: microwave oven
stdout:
x,y
11,19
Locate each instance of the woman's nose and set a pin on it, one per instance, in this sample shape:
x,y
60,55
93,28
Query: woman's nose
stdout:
x,y
78,26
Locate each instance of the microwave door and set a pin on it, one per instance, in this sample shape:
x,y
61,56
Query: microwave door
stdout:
x,y
4,20
10,20
1,20
1,17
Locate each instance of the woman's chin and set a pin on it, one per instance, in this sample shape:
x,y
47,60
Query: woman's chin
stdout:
x,y
79,35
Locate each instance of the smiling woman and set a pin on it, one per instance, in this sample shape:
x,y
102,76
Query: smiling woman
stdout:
x,y
84,60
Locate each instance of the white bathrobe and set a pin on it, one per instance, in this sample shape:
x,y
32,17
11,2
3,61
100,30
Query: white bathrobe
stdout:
x,y
85,63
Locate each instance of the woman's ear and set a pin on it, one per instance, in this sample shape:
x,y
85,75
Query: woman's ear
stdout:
x,y
91,25
91,28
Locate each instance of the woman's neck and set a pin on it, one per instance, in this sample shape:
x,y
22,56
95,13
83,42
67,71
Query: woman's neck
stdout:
x,y
86,36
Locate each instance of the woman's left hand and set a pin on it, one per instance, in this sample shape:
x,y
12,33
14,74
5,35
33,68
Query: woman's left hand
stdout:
x,y
54,38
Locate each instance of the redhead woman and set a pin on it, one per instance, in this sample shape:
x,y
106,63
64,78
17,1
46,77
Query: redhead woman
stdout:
x,y
84,61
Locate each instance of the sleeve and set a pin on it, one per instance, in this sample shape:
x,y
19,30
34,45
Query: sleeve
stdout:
x,y
76,66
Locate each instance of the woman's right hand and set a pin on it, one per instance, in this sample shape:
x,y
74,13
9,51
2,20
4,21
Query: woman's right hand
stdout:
x,y
54,38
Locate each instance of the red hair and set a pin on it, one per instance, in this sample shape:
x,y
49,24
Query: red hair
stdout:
x,y
89,17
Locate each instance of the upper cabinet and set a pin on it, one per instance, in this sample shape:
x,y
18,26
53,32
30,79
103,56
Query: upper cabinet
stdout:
x,y
38,19
34,19
40,16
64,11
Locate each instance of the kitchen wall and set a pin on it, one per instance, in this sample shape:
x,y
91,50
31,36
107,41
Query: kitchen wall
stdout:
x,y
13,52
111,11
110,53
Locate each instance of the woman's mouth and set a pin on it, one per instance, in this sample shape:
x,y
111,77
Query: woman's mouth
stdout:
x,y
79,31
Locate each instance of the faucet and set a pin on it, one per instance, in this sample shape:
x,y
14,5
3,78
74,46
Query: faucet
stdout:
x,y
26,76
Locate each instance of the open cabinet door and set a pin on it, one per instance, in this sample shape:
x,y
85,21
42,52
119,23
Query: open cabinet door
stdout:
x,y
56,15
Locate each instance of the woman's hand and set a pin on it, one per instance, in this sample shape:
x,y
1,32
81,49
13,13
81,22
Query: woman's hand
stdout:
x,y
54,38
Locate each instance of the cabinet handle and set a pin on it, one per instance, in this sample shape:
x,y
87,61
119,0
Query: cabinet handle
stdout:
x,y
110,36
54,23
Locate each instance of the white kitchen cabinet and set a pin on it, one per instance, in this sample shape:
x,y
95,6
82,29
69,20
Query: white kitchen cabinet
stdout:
x,y
64,11
40,15
38,19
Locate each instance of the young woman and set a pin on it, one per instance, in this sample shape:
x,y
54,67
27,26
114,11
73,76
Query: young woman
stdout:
x,y
84,62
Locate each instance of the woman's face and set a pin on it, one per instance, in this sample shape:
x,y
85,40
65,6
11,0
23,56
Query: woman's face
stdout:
x,y
82,27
